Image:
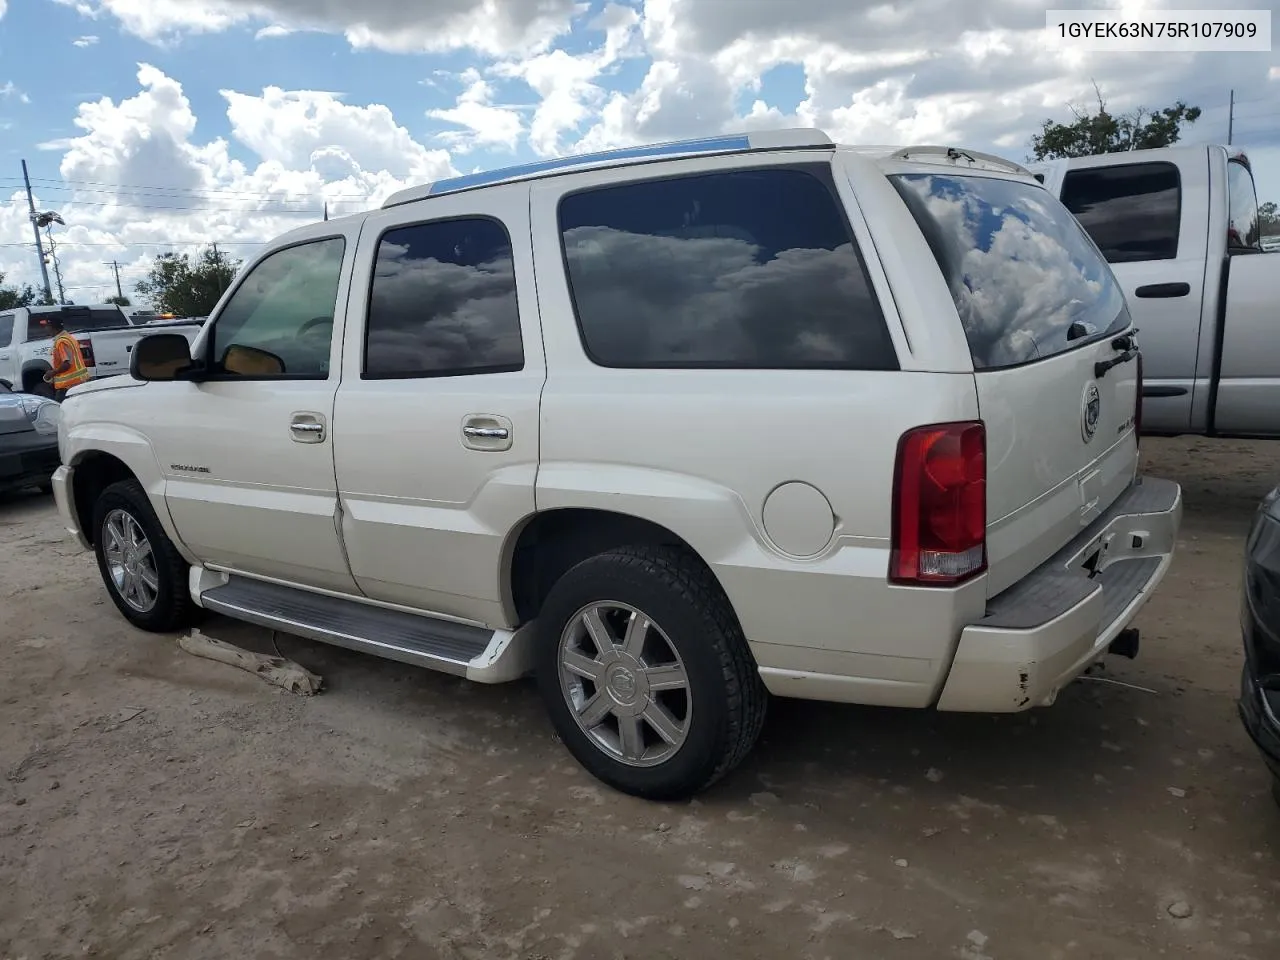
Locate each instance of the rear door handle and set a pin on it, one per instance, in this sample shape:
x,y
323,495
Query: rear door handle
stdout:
x,y
486,431
1154,291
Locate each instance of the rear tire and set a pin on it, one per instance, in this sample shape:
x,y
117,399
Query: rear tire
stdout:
x,y
671,700
141,568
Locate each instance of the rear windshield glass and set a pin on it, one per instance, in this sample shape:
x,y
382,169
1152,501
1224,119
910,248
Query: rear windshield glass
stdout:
x,y
1026,279
76,321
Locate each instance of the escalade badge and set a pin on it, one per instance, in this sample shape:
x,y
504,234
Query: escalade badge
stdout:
x,y
1092,410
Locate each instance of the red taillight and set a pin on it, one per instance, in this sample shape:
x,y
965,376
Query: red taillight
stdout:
x,y
1137,405
86,351
940,505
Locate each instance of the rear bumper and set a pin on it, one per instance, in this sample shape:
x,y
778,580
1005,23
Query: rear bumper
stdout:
x,y
1048,628
65,499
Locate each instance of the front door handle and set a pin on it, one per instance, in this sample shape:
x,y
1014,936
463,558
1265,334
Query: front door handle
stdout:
x,y
486,431
307,428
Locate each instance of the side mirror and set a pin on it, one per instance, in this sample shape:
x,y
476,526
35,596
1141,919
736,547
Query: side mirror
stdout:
x,y
160,356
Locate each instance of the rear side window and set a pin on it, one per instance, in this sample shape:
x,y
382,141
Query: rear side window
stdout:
x,y
749,269
6,330
1132,211
1025,279
1243,232
443,302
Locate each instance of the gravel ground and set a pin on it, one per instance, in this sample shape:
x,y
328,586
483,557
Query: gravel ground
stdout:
x,y
155,804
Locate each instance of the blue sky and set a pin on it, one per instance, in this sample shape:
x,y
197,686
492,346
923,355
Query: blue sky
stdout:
x,y
231,120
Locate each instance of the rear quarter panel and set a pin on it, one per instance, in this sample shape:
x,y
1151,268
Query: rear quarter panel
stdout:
x,y
700,452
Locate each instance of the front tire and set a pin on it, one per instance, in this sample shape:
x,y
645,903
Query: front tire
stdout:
x,y
646,674
143,571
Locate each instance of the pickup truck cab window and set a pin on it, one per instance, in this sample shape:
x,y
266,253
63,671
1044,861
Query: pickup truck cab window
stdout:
x,y
1132,211
6,330
443,302
1242,203
283,308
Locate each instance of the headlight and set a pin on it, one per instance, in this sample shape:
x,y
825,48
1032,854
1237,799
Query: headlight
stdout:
x,y
44,415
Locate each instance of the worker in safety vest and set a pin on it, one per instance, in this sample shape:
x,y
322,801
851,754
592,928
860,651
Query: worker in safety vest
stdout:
x,y
68,362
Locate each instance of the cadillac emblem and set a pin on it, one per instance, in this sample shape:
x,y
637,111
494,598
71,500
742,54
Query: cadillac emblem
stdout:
x,y
1091,410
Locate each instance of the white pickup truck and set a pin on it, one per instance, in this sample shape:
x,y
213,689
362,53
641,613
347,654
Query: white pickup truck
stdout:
x,y
1179,226
105,334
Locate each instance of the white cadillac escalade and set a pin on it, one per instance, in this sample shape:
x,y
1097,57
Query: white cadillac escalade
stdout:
x,y
673,428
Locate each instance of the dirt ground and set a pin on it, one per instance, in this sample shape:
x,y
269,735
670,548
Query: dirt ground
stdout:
x,y
159,805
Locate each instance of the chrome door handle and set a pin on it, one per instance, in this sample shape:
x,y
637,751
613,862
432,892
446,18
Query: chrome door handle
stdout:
x,y
487,433
307,428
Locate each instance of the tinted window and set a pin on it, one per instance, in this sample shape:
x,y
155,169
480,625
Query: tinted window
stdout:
x,y
1243,230
1131,211
6,330
1020,269
750,269
74,320
284,307
443,302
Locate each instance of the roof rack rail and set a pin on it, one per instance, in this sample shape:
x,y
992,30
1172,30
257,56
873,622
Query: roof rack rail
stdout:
x,y
787,139
974,157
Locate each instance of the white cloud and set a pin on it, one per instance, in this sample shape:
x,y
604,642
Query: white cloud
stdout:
x,y
302,128
3,7
311,148
568,84
494,27
485,124
10,92
86,41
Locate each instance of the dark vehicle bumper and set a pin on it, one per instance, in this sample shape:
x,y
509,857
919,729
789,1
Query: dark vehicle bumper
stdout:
x,y
1259,702
27,459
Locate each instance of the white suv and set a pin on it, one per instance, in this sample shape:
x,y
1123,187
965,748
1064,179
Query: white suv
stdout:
x,y
671,428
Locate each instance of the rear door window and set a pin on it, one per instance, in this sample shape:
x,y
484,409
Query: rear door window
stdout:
x,y
6,330
1025,279
745,269
1132,211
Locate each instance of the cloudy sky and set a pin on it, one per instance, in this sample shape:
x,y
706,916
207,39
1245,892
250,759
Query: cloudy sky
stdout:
x,y
157,123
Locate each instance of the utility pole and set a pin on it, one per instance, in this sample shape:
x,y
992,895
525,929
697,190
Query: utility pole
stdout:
x,y
116,267
31,203
1231,117
57,268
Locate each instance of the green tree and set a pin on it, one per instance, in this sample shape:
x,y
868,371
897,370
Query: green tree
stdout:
x,y
11,297
119,301
1105,132
188,288
1269,218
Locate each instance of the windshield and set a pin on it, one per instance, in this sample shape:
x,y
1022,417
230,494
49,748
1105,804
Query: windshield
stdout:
x,y
1026,279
